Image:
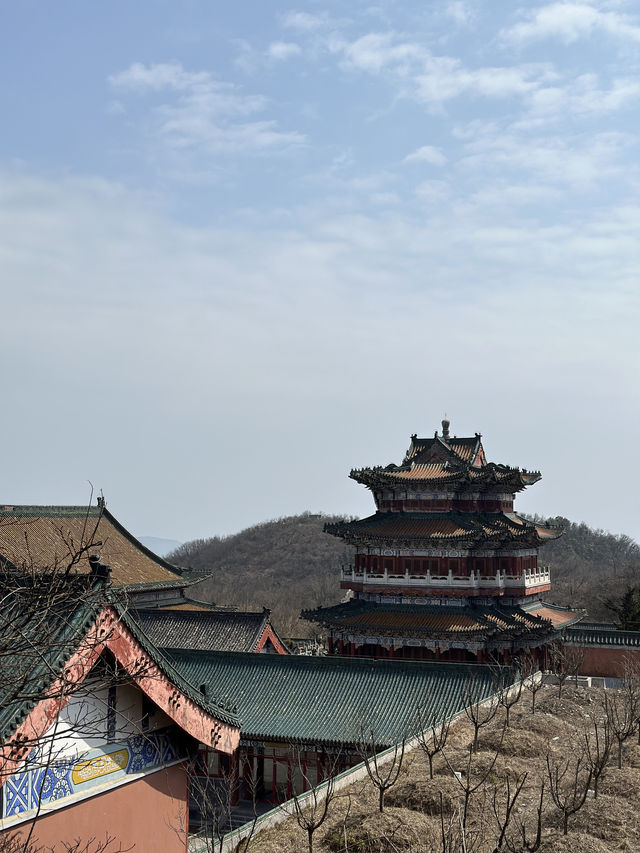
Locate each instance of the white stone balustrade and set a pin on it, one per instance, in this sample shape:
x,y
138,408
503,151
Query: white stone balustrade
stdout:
x,y
500,580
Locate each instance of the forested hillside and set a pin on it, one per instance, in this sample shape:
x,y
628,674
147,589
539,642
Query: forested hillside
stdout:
x,y
289,564
590,566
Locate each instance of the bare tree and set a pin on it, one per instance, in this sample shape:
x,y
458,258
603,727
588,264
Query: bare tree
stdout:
x,y
467,782
432,736
479,709
569,782
597,745
505,793
311,807
530,676
214,798
521,842
510,696
565,662
382,773
621,710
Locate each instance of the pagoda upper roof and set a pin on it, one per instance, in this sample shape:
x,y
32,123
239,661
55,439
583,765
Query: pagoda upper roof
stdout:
x,y
453,526
454,462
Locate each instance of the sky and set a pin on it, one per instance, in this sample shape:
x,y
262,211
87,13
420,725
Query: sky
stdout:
x,y
246,247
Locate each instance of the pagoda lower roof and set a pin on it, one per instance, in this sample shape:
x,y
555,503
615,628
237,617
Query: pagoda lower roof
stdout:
x,y
417,620
507,528
457,474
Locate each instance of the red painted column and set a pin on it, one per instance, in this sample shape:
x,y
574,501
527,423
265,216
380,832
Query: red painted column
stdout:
x,y
274,782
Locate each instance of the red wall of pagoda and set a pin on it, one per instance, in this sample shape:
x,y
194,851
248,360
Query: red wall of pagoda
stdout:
x,y
417,505
148,816
448,591
440,566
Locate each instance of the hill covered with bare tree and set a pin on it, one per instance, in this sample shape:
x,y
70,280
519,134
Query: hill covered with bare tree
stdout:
x,y
287,565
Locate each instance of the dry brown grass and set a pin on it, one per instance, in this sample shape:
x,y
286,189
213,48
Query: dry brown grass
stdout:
x,y
411,821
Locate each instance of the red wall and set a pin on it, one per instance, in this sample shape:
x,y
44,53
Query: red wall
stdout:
x,y
149,815
607,661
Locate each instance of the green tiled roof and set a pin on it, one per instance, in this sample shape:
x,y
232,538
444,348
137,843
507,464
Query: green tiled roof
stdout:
x,y
601,634
42,621
295,698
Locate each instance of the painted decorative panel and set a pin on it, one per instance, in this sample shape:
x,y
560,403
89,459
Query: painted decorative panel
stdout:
x,y
77,775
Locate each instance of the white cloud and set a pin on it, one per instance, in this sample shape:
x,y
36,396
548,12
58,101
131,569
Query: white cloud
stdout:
x,y
158,76
580,97
303,21
426,154
578,163
460,11
281,50
205,112
430,78
570,21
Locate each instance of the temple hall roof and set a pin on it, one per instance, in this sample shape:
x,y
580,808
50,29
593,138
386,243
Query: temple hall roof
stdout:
x,y
54,537
299,698
44,619
206,630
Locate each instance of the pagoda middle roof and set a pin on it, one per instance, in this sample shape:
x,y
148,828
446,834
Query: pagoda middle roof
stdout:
x,y
452,525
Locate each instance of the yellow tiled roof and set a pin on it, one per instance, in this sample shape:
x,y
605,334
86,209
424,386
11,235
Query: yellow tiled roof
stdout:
x,y
53,537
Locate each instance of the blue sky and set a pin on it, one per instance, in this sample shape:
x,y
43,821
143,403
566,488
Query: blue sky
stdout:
x,y
246,247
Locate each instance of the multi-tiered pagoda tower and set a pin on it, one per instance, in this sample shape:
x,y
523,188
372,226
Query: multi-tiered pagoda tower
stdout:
x,y
444,569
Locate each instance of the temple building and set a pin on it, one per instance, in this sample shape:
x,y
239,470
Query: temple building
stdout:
x,y
444,569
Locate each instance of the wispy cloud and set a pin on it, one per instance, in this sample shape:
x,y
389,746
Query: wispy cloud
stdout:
x,y
582,96
426,154
461,12
429,77
570,21
204,113
576,162
283,50
304,21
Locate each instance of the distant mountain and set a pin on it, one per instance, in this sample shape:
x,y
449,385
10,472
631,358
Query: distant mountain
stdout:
x,y
159,546
289,564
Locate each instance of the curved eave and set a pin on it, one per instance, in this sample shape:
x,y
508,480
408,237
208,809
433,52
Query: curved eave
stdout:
x,y
501,531
466,477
